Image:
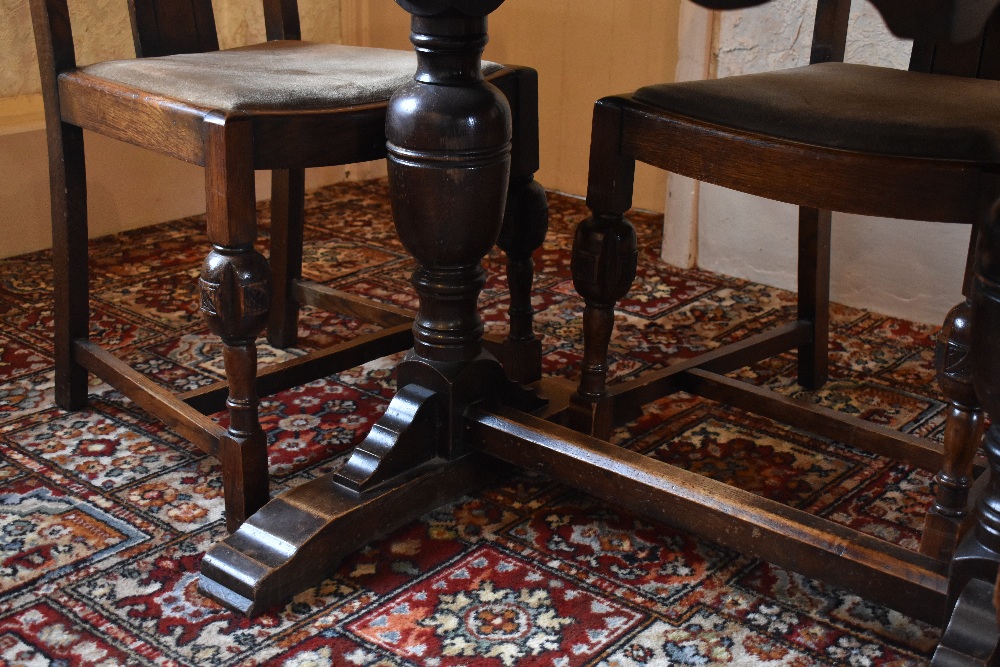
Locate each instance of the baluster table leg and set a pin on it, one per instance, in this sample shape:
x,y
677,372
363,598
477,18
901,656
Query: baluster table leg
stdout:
x,y
449,143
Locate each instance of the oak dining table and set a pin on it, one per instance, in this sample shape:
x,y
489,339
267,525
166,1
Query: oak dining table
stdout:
x,y
457,423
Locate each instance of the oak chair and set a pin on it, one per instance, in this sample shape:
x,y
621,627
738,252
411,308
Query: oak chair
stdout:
x,y
283,105
919,144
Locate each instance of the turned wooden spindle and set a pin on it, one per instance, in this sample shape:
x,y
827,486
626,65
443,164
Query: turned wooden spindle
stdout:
x,y
524,227
962,436
604,262
525,223
449,154
235,294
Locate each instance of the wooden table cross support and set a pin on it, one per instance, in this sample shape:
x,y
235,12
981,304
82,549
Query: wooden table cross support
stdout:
x,y
455,416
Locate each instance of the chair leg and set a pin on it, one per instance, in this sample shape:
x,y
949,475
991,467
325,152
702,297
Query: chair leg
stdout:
x,y
814,294
67,172
526,221
603,266
962,436
287,213
235,291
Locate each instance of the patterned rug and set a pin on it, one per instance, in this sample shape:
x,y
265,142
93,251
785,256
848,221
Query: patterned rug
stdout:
x,y
105,514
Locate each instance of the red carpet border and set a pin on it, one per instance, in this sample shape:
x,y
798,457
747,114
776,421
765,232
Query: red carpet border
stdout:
x,y
105,514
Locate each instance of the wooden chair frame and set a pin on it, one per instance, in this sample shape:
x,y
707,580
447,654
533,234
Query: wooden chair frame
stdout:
x,y
819,180
236,282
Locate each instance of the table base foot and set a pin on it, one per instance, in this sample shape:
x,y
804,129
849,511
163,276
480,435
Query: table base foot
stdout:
x,y
300,537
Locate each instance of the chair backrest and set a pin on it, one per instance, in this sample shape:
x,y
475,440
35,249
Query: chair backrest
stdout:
x,y
976,58
166,27
159,28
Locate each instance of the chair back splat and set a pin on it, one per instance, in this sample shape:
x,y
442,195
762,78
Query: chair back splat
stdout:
x,y
169,27
830,31
978,58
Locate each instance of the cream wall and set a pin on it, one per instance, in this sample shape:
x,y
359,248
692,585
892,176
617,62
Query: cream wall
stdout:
x,y
582,49
904,268
128,187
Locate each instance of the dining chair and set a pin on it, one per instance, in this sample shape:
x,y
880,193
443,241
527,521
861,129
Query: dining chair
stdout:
x,y
283,105
922,144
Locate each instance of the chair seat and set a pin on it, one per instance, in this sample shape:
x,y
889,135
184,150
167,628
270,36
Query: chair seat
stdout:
x,y
270,76
850,107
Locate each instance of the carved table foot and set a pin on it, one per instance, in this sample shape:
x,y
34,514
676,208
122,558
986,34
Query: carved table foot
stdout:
x,y
297,539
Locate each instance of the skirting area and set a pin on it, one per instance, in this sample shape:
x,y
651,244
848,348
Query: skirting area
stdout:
x,y
105,514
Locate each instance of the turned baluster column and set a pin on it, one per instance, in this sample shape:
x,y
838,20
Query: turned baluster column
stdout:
x,y
448,138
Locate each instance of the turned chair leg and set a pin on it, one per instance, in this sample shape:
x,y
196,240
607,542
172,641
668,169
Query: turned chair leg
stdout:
x,y
603,266
287,221
68,175
814,295
235,291
526,221
963,434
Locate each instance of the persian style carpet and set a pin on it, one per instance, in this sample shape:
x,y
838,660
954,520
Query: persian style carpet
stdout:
x,y
105,513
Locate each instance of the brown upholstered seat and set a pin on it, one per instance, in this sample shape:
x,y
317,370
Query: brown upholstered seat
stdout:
x,y
851,107
272,75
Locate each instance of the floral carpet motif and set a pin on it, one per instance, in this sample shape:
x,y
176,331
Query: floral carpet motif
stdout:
x,y
105,513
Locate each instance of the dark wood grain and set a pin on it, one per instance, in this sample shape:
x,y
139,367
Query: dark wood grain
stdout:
x,y
825,178
830,31
308,367
167,27
287,229
970,638
313,294
68,201
203,432
287,546
814,294
160,124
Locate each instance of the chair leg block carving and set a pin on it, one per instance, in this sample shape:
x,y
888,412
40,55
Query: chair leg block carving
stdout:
x,y
949,515
604,266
